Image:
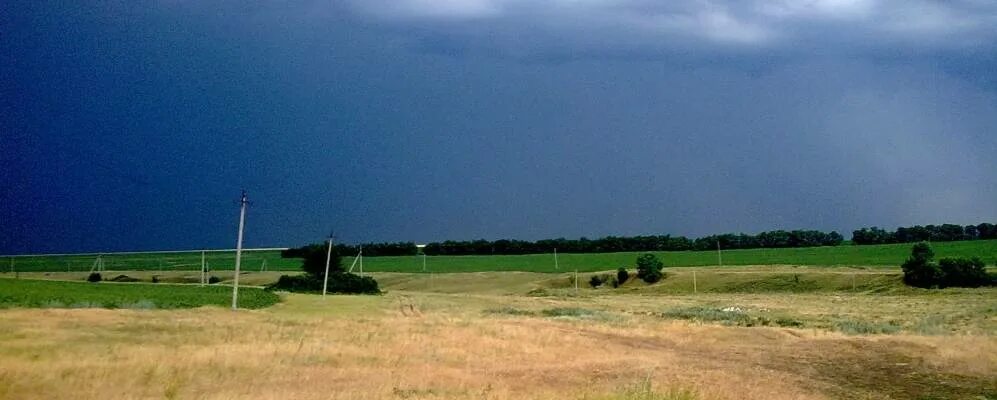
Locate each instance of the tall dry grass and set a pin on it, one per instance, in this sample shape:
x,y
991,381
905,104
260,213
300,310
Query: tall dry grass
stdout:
x,y
443,347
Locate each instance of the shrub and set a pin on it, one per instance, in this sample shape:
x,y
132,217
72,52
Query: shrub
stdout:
x,y
649,268
595,281
920,271
856,327
123,278
508,311
155,279
622,275
339,282
314,265
94,277
214,279
566,312
963,272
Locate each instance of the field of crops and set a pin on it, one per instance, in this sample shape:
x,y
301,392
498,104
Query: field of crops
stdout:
x,y
876,255
58,294
269,260
891,255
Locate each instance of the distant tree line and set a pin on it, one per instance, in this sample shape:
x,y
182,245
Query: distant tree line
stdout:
x,y
608,244
932,233
611,244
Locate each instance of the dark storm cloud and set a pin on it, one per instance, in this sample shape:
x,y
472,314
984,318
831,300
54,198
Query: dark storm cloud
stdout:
x,y
133,126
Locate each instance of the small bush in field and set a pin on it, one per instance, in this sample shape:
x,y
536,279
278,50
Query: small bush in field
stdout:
x,y
622,275
94,277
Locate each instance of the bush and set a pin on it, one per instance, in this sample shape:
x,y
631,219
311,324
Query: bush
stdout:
x,y
622,275
595,281
94,277
566,312
123,278
214,279
314,265
920,271
339,282
855,327
963,272
649,268
155,279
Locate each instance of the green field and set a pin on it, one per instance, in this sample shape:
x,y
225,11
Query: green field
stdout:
x,y
844,255
187,261
58,294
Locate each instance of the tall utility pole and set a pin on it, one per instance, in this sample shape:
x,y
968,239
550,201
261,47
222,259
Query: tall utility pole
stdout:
x,y
203,271
328,258
720,259
243,201
555,259
361,260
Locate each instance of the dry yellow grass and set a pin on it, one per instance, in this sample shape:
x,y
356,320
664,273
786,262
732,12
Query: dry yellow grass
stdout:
x,y
443,346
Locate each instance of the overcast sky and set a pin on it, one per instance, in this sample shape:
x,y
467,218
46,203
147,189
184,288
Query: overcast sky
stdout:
x,y
131,125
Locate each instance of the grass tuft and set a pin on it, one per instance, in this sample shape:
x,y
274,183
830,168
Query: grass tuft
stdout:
x,y
509,311
733,316
570,312
857,327
644,391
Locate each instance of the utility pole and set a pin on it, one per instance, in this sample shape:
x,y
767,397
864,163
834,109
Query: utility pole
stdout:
x,y
361,260
720,259
695,289
576,282
328,258
203,271
555,260
243,201
424,261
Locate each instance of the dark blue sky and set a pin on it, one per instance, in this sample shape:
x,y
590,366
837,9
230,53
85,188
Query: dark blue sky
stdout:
x,y
134,125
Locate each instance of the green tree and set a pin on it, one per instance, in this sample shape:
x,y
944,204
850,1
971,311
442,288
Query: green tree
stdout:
x,y
649,268
919,270
313,261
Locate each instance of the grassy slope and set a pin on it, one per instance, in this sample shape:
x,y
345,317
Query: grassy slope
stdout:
x,y
880,255
677,281
57,294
